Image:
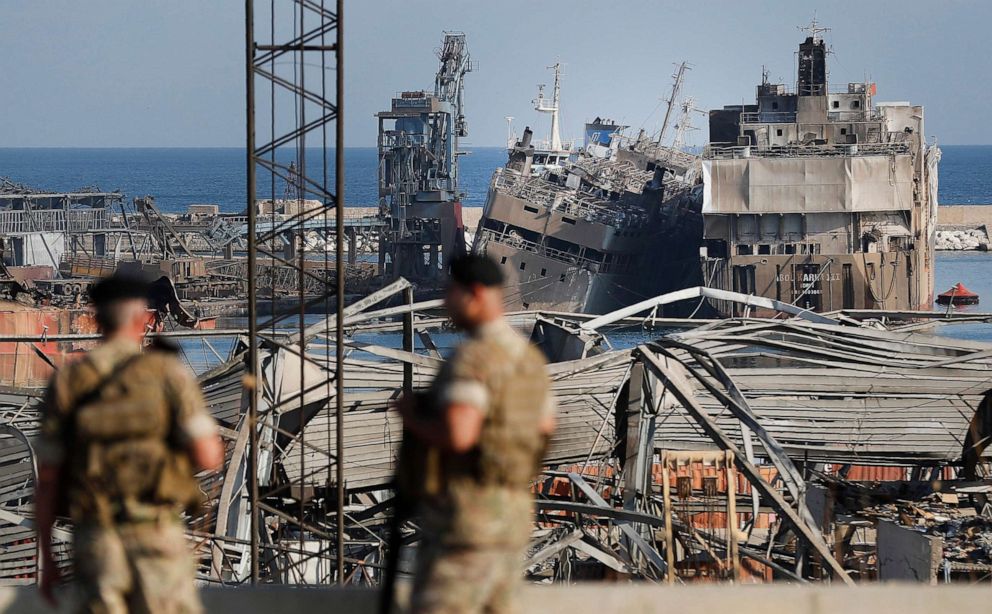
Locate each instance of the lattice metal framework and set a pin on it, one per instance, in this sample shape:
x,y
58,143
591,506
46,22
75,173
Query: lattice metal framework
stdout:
x,y
294,90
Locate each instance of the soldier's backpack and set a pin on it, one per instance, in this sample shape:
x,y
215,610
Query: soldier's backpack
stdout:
x,y
123,463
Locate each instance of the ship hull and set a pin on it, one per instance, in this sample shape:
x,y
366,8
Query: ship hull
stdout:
x,y
536,282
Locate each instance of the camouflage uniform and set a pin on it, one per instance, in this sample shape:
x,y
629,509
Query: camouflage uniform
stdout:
x,y
125,490
478,514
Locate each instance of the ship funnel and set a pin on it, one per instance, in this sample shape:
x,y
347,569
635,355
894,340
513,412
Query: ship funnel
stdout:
x,y
526,138
522,154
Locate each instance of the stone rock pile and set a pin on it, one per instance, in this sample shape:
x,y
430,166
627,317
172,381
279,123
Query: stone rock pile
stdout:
x,y
951,240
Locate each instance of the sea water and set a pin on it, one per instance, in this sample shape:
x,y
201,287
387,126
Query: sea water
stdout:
x,y
180,177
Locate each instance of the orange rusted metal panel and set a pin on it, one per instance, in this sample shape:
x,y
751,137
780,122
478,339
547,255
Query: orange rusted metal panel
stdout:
x,y
20,364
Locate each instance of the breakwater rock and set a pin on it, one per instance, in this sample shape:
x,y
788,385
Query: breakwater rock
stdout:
x,y
963,240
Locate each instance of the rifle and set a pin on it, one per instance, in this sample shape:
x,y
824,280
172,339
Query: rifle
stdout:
x,y
407,491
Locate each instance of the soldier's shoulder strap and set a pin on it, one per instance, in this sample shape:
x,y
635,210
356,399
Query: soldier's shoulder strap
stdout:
x,y
102,379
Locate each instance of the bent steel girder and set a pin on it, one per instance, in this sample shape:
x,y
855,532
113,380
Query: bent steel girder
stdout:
x,y
803,530
735,401
703,292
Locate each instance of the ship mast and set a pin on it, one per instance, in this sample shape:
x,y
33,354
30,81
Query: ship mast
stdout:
x,y
540,104
814,29
684,123
679,77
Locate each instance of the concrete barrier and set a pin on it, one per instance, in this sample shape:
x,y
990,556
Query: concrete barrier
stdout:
x,y
602,598
968,216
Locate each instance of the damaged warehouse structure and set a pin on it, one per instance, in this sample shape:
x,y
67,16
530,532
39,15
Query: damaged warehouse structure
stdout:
x,y
812,447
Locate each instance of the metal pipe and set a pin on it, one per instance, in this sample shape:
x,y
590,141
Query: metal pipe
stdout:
x,y
339,266
303,382
166,334
712,293
252,389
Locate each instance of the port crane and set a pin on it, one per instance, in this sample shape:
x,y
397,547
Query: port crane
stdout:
x,y
418,170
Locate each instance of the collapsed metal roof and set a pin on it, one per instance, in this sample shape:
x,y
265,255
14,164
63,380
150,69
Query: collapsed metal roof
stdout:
x,y
774,392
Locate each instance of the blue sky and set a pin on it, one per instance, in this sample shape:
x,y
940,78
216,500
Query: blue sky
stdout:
x,y
170,72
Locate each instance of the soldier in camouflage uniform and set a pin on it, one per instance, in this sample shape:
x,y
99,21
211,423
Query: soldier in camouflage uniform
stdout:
x,y
122,433
488,417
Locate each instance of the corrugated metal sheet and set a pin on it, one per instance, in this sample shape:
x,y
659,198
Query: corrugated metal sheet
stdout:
x,y
839,394
585,391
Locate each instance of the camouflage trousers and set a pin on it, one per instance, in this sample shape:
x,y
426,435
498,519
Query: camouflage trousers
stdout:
x,y
466,580
141,567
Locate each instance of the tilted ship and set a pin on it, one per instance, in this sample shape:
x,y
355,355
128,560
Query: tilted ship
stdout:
x,y
821,198
613,223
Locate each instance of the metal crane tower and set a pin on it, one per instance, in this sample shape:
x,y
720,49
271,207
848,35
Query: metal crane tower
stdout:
x,y
418,170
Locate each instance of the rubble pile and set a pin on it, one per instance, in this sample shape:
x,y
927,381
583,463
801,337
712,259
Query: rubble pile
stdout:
x,y
966,540
962,521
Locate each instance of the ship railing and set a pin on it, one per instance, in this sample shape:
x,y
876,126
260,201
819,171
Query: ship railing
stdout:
x,y
854,117
545,145
724,151
768,117
560,200
681,158
572,258
613,174
789,117
662,153
783,89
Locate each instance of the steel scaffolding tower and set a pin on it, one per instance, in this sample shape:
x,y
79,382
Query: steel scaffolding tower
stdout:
x,y
292,46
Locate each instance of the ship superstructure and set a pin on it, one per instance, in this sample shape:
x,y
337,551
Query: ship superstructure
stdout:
x,y
552,153
820,197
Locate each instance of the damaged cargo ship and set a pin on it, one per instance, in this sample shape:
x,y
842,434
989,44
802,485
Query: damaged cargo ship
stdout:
x,y
821,198
613,224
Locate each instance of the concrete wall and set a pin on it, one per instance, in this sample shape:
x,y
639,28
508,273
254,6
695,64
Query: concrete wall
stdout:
x,y
907,555
971,216
601,598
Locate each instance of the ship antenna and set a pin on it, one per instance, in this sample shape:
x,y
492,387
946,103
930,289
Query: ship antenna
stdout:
x,y
684,123
814,30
